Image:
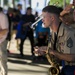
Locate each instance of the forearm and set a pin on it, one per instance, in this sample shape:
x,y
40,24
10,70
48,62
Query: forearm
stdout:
x,y
26,24
66,57
3,31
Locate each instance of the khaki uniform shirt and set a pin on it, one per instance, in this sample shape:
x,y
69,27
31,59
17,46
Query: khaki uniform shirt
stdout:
x,y
72,26
51,41
66,41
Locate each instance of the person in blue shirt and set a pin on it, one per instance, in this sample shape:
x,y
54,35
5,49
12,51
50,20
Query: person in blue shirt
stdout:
x,y
41,34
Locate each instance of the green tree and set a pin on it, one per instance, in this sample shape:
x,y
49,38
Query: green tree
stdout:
x,y
58,2
5,2
17,0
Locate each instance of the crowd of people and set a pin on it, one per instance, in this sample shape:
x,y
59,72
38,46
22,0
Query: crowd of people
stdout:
x,y
56,38
13,22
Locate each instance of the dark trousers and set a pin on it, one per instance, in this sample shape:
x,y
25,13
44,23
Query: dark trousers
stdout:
x,y
68,70
41,41
31,38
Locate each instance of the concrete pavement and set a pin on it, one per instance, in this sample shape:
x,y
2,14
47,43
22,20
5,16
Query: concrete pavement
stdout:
x,y
24,65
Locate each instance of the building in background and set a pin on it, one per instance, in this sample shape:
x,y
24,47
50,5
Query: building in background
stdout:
x,y
36,5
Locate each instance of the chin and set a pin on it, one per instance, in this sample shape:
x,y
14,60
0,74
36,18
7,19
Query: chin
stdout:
x,y
45,25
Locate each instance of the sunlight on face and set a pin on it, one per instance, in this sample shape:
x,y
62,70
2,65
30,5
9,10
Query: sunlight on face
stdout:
x,y
46,19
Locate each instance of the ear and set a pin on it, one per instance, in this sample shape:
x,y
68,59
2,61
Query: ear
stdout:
x,y
53,18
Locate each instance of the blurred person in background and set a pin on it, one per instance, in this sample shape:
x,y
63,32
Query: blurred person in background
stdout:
x,y
41,37
36,15
67,16
41,34
3,43
26,30
15,19
19,8
9,15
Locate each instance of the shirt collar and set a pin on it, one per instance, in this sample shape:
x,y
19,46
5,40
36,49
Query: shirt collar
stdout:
x,y
61,30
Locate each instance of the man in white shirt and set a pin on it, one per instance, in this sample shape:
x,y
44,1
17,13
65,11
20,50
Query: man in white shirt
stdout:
x,y
3,42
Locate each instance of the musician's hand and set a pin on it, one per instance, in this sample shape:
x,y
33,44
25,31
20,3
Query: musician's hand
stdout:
x,y
27,24
66,10
52,52
40,50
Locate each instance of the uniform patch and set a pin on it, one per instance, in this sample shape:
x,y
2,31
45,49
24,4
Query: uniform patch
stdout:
x,y
70,43
62,51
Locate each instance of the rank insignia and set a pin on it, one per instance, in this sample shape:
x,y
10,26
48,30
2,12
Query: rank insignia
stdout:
x,y
70,43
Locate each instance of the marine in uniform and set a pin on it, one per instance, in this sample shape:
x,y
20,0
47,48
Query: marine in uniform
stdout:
x,y
67,16
66,40
65,49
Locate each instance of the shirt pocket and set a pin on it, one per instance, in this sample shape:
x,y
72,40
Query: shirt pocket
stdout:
x,y
61,44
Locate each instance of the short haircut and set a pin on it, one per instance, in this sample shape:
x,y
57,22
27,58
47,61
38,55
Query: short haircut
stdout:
x,y
52,9
60,9
29,8
19,5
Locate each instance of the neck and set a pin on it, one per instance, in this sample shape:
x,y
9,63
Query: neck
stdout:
x,y
55,26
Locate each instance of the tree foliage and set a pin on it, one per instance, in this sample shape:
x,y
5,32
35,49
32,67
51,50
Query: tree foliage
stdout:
x,y
17,0
58,2
5,2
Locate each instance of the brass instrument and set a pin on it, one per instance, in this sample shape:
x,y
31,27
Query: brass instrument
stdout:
x,y
54,69
35,23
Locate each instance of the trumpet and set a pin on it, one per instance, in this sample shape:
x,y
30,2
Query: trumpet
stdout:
x,y
35,23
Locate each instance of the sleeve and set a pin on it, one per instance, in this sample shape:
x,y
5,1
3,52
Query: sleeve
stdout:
x,y
69,43
33,18
4,22
18,18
